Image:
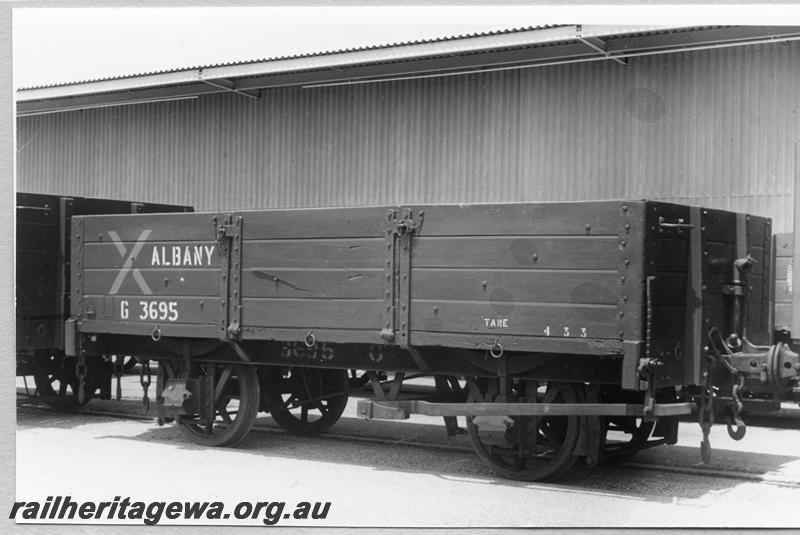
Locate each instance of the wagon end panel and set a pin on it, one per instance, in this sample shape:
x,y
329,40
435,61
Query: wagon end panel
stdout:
x,y
558,278
38,271
727,284
757,243
148,274
670,298
321,274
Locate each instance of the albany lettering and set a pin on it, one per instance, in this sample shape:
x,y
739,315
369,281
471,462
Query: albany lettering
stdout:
x,y
182,255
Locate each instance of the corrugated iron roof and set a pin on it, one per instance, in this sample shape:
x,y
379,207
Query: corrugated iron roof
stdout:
x,y
460,54
304,55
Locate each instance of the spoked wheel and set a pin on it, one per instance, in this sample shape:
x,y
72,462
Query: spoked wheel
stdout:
x,y
236,400
358,380
528,448
307,401
57,381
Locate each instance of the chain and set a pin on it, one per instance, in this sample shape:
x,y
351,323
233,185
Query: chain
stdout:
x,y
736,426
706,416
736,433
80,371
145,379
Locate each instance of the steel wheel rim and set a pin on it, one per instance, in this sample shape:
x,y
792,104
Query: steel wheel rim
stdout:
x,y
234,411
555,443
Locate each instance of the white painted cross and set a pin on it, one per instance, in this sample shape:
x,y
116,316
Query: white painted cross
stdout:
x,y
126,267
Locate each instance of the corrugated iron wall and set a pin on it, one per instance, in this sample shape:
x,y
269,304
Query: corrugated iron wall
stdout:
x,y
715,128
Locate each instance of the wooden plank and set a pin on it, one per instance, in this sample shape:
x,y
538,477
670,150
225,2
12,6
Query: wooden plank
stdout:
x,y
145,329
590,287
315,223
335,335
42,237
784,244
186,255
782,294
312,313
539,344
36,291
313,284
521,252
756,231
755,289
720,257
669,255
720,225
37,262
555,218
162,282
669,288
758,253
669,322
314,253
188,310
178,227
504,318
783,316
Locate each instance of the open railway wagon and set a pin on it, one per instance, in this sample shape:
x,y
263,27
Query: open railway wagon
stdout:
x,y
42,293
545,325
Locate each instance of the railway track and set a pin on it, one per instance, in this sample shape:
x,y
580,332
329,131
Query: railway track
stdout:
x,y
31,402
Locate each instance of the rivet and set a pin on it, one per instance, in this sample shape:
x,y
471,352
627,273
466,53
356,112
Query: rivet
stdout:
x,y
435,309
621,314
484,284
622,279
535,256
627,226
627,262
588,227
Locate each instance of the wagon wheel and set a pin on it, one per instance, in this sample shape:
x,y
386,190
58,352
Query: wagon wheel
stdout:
x,y
531,448
57,382
358,381
307,401
236,399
